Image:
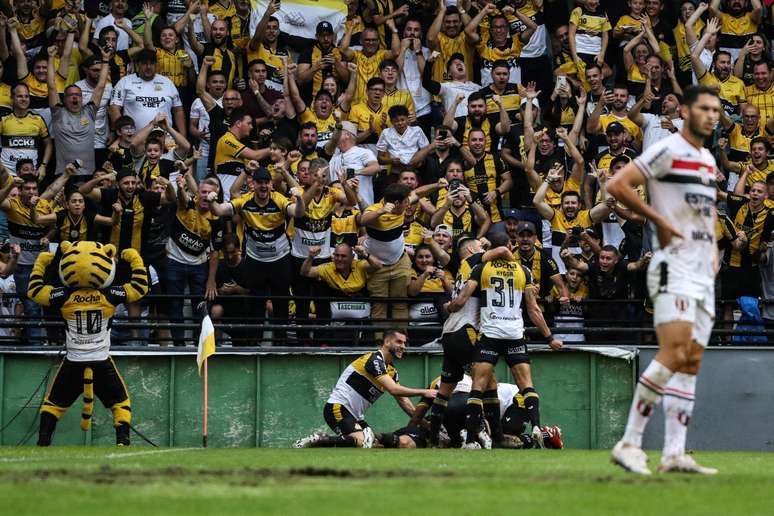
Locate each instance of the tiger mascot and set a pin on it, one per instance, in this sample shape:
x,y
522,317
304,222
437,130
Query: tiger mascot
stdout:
x,y
87,302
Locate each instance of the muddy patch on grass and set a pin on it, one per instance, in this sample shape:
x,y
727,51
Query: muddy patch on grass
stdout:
x,y
247,477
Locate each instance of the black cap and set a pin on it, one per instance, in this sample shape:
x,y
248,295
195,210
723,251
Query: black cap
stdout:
x,y
526,225
323,27
262,174
615,127
511,213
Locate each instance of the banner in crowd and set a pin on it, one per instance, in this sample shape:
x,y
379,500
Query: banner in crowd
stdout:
x,y
300,17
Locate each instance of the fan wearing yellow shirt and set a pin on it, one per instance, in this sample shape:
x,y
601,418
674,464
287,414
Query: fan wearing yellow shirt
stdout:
x,y
731,88
222,9
756,170
267,44
761,92
569,215
446,35
368,59
370,116
393,96
598,122
737,22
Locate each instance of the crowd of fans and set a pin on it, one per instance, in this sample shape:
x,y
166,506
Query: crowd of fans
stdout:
x,y
269,173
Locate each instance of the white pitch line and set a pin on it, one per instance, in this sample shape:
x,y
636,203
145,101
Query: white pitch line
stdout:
x,y
148,452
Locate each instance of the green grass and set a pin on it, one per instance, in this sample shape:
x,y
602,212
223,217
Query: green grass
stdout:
x,y
144,481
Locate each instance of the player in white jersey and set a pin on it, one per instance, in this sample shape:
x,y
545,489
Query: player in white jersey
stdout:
x,y
500,285
680,176
360,385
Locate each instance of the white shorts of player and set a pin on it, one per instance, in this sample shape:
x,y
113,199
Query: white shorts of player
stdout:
x,y
672,305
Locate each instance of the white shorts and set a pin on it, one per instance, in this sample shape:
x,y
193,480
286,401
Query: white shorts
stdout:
x,y
668,307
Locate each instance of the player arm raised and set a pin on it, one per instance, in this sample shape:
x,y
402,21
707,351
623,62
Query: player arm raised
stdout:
x,y
545,210
622,185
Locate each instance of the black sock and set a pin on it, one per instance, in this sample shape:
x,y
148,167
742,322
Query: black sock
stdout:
x,y
336,441
48,423
474,416
437,411
532,404
492,414
388,440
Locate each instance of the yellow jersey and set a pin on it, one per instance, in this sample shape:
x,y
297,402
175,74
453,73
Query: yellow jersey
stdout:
x,y
228,152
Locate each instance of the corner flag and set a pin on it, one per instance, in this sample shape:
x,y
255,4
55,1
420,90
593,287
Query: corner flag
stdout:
x,y
206,342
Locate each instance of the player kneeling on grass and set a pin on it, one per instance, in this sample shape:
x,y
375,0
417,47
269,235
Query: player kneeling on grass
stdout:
x,y
680,175
500,285
514,417
359,386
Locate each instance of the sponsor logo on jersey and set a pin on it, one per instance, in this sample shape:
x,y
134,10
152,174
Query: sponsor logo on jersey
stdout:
x,y
91,298
150,102
21,141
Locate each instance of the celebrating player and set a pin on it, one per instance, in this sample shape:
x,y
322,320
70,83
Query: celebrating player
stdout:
x,y
500,285
680,176
359,386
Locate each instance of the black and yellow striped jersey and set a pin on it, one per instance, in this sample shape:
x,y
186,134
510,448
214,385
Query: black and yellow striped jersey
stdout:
x,y
590,26
225,61
732,93
385,236
758,174
314,228
193,234
459,223
510,99
22,231
500,286
398,98
358,386
239,30
148,172
367,68
130,232
725,233
313,55
542,267
604,158
273,59
488,53
32,33
169,64
484,177
228,152
265,226
353,284
757,225
21,138
736,31
554,198
739,143
344,228
560,224
361,114
325,126
681,43
75,229
762,99
448,47
221,12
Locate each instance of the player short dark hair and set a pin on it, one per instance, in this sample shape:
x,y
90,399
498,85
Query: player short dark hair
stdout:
x,y
397,110
375,81
24,161
501,63
692,93
396,192
237,114
476,95
213,73
570,193
499,239
255,62
621,86
388,62
611,249
391,332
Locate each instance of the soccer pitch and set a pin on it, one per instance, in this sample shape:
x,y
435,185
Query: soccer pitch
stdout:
x,y
144,481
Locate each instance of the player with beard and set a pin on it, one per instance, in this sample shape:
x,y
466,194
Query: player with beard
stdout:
x,y
477,118
720,75
617,101
680,176
360,385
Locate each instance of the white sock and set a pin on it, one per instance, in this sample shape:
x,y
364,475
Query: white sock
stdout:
x,y
678,408
647,394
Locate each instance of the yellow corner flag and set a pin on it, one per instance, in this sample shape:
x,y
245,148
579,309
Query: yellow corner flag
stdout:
x,y
206,342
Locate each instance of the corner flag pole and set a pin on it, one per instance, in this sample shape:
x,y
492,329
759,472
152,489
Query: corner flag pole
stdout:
x,y
204,428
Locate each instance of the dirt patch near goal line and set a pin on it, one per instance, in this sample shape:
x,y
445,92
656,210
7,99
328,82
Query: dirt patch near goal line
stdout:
x,y
247,477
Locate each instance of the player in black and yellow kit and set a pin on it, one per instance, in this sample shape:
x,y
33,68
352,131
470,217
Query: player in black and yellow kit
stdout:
x,y
360,385
501,286
87,302
264,215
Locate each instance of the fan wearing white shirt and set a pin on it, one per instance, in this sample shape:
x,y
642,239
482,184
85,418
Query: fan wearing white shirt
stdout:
x,y
362,162
143,94
399,144
412,55
457,85
656,127
117,12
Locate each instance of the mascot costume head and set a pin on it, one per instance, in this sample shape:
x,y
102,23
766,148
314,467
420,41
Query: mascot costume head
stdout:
x,y
87,300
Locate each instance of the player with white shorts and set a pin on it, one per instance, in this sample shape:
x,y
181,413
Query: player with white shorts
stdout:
x,y
680,176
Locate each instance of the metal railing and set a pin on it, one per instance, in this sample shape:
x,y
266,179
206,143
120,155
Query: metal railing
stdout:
x,y
621,322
